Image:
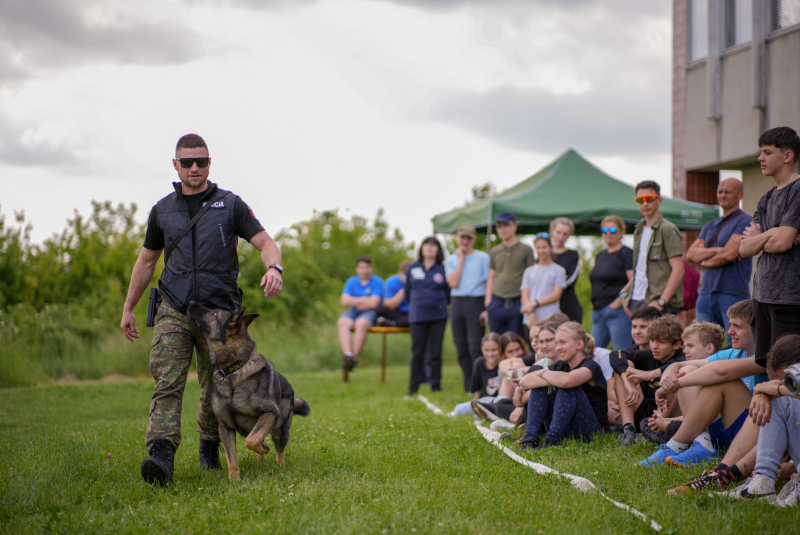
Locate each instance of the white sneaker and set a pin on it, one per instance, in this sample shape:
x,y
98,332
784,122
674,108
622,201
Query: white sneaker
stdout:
x,y
756,486
789,493
501,424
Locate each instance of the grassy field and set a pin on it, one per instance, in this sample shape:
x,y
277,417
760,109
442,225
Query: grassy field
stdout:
x,y
364,461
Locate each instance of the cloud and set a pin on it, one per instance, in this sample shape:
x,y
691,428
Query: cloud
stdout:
x,y
41,36
22,146
536,120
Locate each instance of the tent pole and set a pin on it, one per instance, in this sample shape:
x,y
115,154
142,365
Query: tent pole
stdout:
x,y
489,229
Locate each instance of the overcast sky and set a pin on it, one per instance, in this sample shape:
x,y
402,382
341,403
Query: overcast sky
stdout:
x,y
349,104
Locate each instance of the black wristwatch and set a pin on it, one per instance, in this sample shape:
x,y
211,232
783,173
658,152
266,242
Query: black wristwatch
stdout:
x,y
276,266
661,302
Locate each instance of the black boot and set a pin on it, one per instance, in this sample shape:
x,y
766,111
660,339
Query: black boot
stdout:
x,y
158,467
209,455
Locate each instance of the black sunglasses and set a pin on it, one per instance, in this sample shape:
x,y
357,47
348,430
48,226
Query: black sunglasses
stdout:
x,y
187,163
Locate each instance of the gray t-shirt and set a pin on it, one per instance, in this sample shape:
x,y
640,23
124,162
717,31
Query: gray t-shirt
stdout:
x,y
777,277
540,281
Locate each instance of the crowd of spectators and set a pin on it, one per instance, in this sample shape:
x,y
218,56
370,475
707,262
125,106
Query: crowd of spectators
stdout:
x,y
677,387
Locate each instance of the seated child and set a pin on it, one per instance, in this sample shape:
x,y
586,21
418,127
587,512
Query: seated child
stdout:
x,y
485,380
637,373
700,341
778,413
556,402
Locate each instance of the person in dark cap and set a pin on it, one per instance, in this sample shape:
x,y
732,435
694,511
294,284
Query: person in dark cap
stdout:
x,y
507,262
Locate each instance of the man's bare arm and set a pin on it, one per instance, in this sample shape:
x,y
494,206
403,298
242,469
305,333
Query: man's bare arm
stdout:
x,y
272,281
142,274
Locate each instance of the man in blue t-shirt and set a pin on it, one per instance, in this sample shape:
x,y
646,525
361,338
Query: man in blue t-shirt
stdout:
x,y
393,312
727,276
363,294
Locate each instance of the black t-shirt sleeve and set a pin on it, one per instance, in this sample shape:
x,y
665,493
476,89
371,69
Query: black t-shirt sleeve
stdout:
x,y
246,223
477,376
153,237
529,359
597,372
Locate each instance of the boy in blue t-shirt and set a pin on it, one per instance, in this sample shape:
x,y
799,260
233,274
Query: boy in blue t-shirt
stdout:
x,y
723,399
393,312
363,294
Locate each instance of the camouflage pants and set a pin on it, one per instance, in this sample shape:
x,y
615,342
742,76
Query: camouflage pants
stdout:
x,y
170,356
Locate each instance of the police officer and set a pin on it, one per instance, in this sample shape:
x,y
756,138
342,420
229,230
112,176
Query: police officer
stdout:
x,y
203,266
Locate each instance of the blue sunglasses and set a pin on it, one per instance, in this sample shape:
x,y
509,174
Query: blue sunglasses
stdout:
x,y
612,230
542,235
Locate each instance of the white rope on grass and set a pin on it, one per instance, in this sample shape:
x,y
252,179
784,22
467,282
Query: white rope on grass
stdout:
x,y
580,483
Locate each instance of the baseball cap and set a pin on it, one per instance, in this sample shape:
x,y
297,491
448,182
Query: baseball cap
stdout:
x,y
466,230
505,217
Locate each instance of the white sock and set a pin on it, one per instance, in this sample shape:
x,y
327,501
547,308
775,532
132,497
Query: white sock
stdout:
x,y
705,439
676,446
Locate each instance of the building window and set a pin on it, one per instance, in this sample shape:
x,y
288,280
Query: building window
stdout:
x,y
738,22
698,29
785,13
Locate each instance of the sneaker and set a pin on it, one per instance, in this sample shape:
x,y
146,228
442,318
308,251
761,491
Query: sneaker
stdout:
x,y
506,436
659,457
209,455
756,486
501,424
158,467
706,481
789,493
349,362
696,454
528,444
628,435
482,412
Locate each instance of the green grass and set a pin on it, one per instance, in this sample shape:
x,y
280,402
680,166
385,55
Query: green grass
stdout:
x,y
364,461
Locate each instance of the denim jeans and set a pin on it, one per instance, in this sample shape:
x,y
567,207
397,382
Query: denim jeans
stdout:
x,y
611,325
505,315
780,433
714,306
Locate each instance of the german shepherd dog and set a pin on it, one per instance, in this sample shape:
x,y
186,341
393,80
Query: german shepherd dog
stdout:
x,y
247,395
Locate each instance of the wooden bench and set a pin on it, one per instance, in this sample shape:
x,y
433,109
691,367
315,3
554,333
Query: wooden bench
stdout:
x,y
384,331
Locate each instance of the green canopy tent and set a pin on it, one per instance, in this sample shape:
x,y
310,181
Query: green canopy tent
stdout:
x,y
569,187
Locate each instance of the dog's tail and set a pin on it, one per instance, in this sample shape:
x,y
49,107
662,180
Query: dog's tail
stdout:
x,y
301,408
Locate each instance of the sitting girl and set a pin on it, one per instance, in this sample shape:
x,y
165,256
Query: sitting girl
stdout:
x,y
556,403
485,380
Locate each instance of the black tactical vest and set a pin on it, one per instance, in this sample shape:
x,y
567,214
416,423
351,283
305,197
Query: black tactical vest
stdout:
x,y
204,266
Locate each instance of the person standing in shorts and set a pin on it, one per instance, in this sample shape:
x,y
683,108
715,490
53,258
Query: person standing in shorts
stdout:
x,y
773,233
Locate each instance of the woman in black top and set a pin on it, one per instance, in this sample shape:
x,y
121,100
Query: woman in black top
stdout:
x,y
567,399
610,277
561,229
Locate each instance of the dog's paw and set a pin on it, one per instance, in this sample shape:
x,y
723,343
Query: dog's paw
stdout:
x,y
233,475
259,447
279,459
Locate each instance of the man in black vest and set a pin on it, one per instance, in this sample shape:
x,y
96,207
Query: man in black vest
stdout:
x,y
200,265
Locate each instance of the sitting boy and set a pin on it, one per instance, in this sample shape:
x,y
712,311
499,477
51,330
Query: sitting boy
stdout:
x,y
722,401
779,413
637,373
362,294
393,312
700,341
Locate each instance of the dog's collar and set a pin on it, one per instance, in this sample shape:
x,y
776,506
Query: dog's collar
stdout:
x,y
221,373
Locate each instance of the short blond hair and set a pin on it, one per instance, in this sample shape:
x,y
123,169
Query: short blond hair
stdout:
x,y
562,221
707,333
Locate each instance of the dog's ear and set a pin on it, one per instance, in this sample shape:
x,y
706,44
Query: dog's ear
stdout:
x,y
236,318
248,319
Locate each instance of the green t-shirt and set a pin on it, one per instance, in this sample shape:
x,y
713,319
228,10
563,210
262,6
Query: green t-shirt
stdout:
x,y
509,264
